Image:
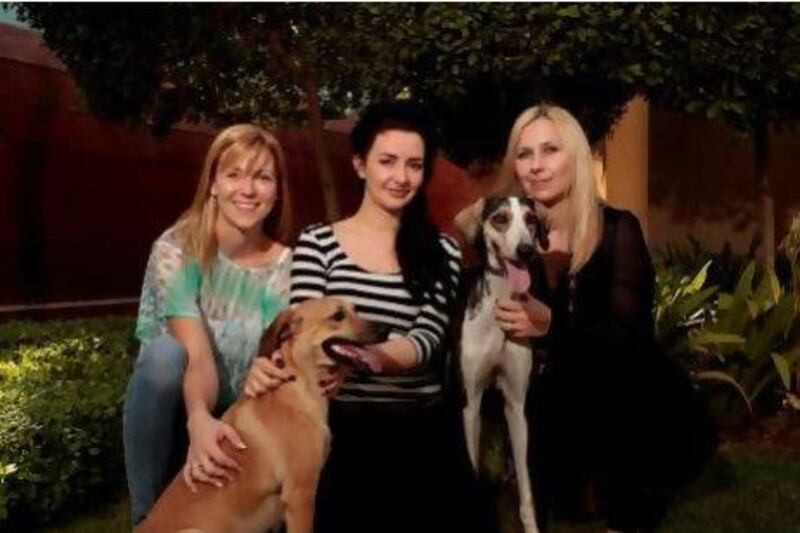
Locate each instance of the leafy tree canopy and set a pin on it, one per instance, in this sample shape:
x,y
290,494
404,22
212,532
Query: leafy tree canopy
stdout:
x,y
475,65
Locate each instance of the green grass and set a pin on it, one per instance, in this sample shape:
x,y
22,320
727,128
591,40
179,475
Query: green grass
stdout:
x,y
111,518
745,492
740,492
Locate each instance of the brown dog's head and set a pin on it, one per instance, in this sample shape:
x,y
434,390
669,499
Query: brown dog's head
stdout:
x,y
307,335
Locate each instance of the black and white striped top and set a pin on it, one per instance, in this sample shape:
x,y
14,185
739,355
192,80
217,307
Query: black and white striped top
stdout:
x,y
321,268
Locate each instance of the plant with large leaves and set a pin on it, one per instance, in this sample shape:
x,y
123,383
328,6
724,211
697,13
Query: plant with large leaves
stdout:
x,y
746,338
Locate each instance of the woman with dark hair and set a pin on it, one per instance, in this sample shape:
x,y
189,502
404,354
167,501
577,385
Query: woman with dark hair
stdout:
x,y
392,457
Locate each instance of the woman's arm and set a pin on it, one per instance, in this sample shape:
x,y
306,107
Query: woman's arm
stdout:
x,y
627,323
205,460
427,335
200,383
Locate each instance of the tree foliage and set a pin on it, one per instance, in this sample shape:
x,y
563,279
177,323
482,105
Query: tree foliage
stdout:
x,y
475,65
739,63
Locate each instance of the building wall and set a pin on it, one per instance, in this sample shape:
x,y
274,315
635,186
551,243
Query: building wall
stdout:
x,y
702,182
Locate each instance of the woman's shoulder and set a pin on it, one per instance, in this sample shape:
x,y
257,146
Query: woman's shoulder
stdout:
x,y
622,232
450,245
317,232
621,220
169,237
167,247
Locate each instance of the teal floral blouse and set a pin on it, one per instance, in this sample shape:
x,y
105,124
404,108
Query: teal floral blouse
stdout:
x,y
234,303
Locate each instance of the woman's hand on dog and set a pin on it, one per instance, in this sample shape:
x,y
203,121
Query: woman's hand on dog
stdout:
x,y
332,379
205,461
523,318
266,373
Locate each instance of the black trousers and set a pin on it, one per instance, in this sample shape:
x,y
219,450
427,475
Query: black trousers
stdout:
x,y
398,470
631,431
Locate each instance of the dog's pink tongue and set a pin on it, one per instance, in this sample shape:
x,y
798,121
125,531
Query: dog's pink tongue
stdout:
x,y
362,357
518,278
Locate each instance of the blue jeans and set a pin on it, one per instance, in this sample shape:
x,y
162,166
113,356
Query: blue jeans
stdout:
x,y
153,422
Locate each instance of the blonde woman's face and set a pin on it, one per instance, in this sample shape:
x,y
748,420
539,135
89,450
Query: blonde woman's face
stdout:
x,y
543,166
246,189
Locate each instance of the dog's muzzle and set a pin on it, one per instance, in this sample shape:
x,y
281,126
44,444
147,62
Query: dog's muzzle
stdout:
x,y
359,357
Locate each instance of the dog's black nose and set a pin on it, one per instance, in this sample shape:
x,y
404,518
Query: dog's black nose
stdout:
x,y
525,251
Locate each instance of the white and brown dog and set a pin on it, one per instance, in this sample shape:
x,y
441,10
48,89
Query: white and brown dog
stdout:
x,y
504,231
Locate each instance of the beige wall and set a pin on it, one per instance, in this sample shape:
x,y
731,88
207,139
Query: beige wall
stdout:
x,y
685,176
626,161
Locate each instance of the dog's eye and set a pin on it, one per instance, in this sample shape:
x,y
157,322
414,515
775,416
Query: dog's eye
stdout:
x,y
339,315
500,219
530,219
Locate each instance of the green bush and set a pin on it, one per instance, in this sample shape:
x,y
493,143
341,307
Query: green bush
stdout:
x,y
62,386
746,338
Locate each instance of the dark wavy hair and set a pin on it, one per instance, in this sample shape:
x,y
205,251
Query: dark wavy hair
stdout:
x,y
422,257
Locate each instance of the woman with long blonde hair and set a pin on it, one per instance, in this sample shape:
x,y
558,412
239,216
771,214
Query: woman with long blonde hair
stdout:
x,y
611,415
214,281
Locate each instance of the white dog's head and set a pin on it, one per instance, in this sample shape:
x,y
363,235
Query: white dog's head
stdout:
x,y
504,231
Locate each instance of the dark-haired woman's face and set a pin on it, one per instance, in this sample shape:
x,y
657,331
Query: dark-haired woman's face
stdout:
x,y
393,169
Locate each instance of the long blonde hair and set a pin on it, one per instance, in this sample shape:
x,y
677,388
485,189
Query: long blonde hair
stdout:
x,y
584,202
196,228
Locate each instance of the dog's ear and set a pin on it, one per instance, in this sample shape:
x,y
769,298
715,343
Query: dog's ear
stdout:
x,y
277,333
542,227
468,220
542,231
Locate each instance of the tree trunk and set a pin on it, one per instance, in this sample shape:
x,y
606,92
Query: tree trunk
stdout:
x,y
316,130
765,195
298,69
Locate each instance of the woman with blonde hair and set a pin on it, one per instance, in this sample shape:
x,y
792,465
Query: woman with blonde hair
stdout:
x,y
610,414
213,282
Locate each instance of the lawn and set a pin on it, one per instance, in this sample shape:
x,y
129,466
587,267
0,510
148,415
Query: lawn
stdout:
x,y
744,489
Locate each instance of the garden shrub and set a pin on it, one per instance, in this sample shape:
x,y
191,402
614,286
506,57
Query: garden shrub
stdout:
x,y
62,386
745,339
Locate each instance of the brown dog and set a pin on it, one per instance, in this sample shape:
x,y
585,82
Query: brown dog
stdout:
x,y
285,430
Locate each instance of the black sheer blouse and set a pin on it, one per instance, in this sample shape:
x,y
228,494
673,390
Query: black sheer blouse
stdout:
x,y
606,404
606,309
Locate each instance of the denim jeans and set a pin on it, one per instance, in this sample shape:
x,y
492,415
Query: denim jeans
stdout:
x,y
153,422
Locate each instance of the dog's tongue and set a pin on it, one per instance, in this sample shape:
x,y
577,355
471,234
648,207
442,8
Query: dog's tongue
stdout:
x,y
361,357
518,278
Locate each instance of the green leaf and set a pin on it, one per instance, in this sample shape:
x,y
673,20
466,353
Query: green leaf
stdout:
x,y
571,11
719,376
708,338
699,279
771,333
690,305
782,366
